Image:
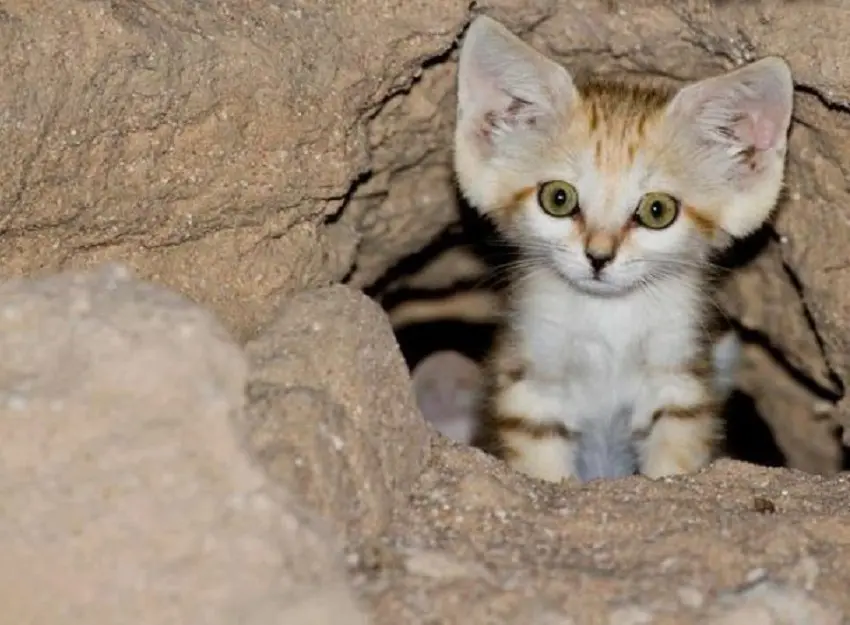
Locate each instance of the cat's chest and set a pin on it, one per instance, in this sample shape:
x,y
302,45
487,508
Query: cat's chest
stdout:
x,y
607,340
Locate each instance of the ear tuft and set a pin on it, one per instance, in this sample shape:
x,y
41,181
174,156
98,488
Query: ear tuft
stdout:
x,y
731,130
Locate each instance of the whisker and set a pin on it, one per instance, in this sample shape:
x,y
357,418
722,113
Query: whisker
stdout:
x,y
650,285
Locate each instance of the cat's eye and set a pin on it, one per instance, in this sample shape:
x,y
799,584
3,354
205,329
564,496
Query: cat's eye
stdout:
x,y
657,211
558,198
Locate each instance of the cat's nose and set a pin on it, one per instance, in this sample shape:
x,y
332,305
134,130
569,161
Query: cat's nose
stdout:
x,y
598,259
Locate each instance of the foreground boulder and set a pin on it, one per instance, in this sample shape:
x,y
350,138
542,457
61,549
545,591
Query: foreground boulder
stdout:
x,y
332,415
126,490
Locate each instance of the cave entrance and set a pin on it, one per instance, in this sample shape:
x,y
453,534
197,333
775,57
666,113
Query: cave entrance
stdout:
x,y
448,295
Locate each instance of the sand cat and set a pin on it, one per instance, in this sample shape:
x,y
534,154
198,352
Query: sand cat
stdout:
x,y
618,195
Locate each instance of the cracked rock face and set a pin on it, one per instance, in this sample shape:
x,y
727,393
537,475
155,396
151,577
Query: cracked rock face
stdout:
x,y
248,155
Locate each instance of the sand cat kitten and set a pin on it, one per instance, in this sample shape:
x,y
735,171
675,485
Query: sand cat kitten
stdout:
x,y
617,194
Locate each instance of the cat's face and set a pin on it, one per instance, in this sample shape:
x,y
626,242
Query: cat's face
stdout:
x,y
602,207
616,186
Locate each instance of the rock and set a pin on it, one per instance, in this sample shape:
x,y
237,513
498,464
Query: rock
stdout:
x,y
769,603
125,487
677,551
800,422
208,146
333,415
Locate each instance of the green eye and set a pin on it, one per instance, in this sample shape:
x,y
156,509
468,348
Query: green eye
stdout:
x,y
558,198
657,211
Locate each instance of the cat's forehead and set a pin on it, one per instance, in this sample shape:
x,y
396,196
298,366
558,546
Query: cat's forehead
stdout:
x,y
616,119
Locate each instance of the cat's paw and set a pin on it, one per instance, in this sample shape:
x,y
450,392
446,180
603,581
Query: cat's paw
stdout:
x,y
681,441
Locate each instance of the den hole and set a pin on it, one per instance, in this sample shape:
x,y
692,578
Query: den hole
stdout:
x,y
749,438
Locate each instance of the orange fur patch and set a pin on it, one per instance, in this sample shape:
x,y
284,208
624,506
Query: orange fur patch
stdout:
x,y
641,125
514,204
703,222
601,243
605,243
592,117
617,117
580,226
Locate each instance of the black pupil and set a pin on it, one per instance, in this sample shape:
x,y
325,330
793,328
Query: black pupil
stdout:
x,y
656,209
559,198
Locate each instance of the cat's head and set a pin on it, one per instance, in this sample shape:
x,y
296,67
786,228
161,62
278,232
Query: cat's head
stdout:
x,y
616,185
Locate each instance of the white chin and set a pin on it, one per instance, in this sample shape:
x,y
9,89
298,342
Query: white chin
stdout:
x,y
599,287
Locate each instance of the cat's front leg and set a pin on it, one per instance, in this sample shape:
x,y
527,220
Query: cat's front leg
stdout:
x,y
683,439
525,425
683,430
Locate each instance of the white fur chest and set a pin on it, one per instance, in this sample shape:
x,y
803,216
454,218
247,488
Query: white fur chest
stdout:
x,y
590,357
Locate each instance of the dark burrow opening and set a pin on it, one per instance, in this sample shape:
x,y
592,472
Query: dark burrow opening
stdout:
x,y
748,436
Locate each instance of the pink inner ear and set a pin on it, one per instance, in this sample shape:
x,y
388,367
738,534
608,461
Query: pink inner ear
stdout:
x,y
760,128
764,132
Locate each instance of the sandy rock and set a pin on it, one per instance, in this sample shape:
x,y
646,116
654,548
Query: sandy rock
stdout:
x,y
204,144
333,415
801,422
677,551
769,603
125,488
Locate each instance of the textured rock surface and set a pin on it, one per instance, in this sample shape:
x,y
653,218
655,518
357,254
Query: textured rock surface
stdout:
x,y
332,411
480,545
125,486
240,152
205,144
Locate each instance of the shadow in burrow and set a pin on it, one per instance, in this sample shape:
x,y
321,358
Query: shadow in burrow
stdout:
x,y
748,436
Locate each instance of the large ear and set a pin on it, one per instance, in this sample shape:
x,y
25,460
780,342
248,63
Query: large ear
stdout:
x,y
447,386
509,98
731,134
